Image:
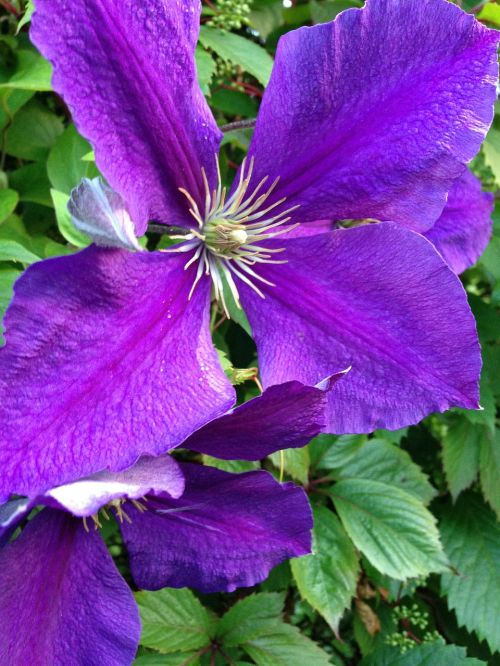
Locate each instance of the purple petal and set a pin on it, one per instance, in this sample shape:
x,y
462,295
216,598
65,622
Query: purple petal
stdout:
x,y
106,360
464,228
126,70
375,114
283,417
147,476
226,531
63,601
102,215
381,299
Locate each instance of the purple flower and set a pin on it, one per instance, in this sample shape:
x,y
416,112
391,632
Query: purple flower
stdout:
x,y
63,599
375,115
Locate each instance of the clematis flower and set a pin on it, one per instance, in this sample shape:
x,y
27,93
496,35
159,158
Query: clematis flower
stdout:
x,y
63,600
372,116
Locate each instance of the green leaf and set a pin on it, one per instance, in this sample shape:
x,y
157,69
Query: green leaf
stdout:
x,y
461,445
251,617
64,222
331,452
177,659
491,150
11,250
326,10
32,183
174,621
295,463
8,203
489,469
10,103
471,537
327,579
240,51
428,654
234,103
8,276
490,13
396,533
33,72
30,8
65,166
233,466
33,132
266,16
205,66
285,646
381,461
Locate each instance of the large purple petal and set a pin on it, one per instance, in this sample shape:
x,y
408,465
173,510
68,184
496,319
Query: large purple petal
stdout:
x,y
126,69
63,601
148,476
375,114
379,298
106,360
464,228
226,531
283,417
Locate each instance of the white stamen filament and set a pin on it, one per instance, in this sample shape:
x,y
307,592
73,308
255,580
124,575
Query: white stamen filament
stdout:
x,y
227,242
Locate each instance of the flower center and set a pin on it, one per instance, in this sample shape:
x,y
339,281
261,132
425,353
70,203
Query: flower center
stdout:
x,y
227,242
117,506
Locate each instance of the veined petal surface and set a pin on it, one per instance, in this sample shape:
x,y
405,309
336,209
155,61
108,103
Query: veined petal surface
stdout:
x,y
63,601
105,360
285,416
126,69
464,228
375,114
226,531
378,298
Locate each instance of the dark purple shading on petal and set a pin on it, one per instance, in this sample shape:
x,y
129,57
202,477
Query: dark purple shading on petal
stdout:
x,y
464,228
106,360
379,298
148,476
375,114
283,417
63,601
126,70
226,531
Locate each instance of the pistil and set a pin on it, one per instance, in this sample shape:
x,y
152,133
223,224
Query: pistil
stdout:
x,y
226,243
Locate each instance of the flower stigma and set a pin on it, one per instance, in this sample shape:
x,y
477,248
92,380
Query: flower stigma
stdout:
x,y
226,242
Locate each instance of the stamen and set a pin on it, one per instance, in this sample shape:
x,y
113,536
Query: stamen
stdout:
x,y
231,232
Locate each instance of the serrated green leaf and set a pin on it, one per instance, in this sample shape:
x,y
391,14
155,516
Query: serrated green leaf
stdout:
x,y
471,537
10,103
240,51
490,13
461,445
28,13
32,72
205,66
286,646
429,654
7,278
395,531
331,452
295,463
489,469
381,461
65,166
11,250
327,579
174,621
8,203
250,618
64,222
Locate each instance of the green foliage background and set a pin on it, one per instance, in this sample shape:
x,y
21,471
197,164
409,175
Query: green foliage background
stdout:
x,y
406,563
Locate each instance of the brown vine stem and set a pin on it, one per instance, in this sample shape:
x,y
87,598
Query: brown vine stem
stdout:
x,y
238,124
10,8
